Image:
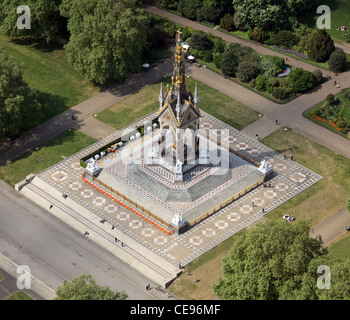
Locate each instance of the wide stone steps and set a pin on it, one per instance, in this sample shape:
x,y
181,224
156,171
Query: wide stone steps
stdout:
x,y
140,259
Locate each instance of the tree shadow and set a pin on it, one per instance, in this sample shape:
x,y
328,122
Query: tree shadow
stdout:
x,y
37,43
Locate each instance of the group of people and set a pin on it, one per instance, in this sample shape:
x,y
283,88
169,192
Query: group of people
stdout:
x,y
343,28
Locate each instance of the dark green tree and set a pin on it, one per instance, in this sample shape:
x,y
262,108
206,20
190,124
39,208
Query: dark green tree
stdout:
x,y
45,18
201,41
301,80
107,37
318,76
227,22
285,39
337,61
259,35
247,70
85,288
268,262
320,46
189,8
229,64
19,106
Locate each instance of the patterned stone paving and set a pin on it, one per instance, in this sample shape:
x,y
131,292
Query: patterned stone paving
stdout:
x,y
289,179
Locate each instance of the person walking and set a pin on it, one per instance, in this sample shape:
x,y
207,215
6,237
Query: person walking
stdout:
x,y
86,233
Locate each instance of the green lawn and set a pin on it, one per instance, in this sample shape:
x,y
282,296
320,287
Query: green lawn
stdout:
x,y
48,70
341,247
64,145
19,295
340,16
212,101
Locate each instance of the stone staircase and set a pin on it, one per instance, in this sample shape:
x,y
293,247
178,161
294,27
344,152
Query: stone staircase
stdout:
x,y
137,256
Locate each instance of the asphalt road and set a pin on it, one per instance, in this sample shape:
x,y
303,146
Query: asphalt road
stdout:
x,y
54,251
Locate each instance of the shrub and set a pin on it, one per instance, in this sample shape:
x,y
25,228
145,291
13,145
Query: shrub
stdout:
x,y
217,60
252,83
229,64
208,56
260,83
270,66
337,61
317,73
209,14
281,93
227,22
237,20
247,70
301,80
320,46
189,8
285,39
259,35
201,41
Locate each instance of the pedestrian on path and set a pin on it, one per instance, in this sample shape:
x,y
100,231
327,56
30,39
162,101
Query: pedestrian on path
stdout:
x,y
86,233
276,122
51,206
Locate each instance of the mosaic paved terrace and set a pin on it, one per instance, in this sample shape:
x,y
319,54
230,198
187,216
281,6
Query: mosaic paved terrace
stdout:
x,y
288,180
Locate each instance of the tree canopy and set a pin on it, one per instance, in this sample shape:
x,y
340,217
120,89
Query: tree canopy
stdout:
x,y
85,288
107,37
268,262
320,46
45,18
337,61
19,106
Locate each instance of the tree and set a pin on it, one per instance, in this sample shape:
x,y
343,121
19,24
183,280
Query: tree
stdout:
x,y
189,8
321,46
265,14
268,261
337,61
318,76
301,80
259,35
45,18
107,37
227,22
315,284
85,288
229,64
285,39
19,106
247,70
201,42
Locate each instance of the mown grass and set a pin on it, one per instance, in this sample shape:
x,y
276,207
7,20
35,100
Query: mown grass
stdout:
x,y
47,69
145,101
340,13
341,247
53,151
19,295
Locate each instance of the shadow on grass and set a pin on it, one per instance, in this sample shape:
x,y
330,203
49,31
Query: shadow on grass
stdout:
x,y
37,43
